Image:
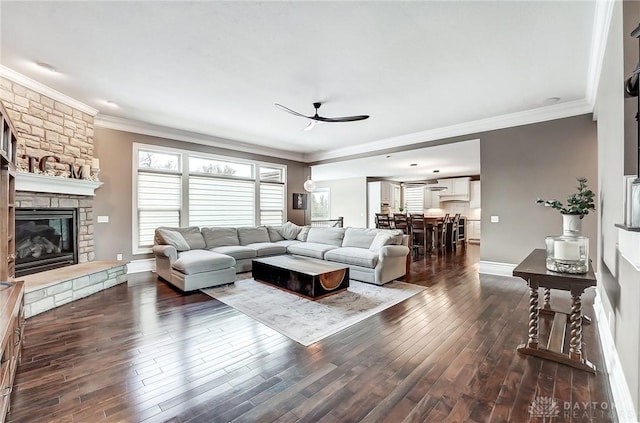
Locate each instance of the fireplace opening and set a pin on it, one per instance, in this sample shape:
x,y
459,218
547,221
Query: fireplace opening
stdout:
x,y
45,239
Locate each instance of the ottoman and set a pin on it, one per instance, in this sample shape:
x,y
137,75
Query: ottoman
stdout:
x,y
196,269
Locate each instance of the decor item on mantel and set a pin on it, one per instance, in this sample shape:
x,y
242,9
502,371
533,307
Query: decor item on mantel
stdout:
x,y
569,252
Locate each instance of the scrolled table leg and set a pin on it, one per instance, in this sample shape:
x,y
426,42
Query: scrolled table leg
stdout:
x,y
547,299
575,343
533,318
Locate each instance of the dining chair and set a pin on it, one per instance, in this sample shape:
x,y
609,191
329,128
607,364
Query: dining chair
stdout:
x,y
419,235
383,221
400,222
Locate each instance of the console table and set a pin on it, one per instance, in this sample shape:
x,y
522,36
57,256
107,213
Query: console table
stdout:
x,y
534,271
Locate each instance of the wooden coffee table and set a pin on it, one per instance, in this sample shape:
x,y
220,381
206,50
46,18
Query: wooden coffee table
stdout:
x,y
307,277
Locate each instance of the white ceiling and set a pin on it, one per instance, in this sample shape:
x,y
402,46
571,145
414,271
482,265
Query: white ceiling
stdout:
x,y
422,70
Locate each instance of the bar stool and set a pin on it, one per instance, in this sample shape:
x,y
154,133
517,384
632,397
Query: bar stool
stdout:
x,y
400,222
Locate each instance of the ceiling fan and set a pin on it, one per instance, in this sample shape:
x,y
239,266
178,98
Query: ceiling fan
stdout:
x,y
316,119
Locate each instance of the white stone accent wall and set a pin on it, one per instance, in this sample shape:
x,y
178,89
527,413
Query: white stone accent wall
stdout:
x,y
46,126
84,205
41,300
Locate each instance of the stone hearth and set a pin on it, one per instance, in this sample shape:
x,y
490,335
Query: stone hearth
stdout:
x,y
53,288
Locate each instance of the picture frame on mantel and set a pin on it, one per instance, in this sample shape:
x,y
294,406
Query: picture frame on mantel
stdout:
x,y
635,204
631,199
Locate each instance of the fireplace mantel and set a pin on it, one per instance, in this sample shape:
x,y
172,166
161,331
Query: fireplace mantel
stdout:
x,y
26,181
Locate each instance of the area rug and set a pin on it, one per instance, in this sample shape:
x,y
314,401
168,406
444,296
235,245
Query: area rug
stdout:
x,y
307,321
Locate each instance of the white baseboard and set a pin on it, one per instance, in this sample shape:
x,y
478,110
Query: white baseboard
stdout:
x,y
617,382
138,266
496,268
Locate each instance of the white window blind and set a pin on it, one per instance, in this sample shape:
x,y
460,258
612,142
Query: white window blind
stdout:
x,y
414,198
221,202
271,204
159,203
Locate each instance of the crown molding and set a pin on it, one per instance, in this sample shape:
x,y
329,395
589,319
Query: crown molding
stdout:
x,y
540,114
143,128
27,82
601,23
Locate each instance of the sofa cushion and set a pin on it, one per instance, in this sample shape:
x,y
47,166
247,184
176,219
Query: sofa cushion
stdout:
x,y
220,237
268,248
310,249
200,261
287,242
253,234
290,230
359,237
331,236
274,234
191,234
173,238
353,256
303,234
238,252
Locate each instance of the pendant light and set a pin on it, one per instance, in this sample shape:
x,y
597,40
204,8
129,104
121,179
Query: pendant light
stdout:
x,y
309,185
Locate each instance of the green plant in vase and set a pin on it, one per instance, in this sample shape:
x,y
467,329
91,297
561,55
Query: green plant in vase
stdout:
x,y
569,253
578,204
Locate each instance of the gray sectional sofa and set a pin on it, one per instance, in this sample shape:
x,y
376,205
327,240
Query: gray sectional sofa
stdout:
x,y
192,258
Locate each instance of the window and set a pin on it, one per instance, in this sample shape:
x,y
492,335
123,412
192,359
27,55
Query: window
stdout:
x,y
320,207
181,188
414,198
272,195
158,193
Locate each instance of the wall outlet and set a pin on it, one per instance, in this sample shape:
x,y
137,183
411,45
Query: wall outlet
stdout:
x,y
103,219
118,256
495,219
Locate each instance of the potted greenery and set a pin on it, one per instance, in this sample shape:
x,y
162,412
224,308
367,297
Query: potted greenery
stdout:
x,y
578,206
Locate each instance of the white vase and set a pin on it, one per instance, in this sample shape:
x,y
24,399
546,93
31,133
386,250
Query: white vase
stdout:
x,y
571,225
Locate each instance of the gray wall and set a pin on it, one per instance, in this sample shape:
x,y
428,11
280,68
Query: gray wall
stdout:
x,y
114,198
631,19
518,165
618,286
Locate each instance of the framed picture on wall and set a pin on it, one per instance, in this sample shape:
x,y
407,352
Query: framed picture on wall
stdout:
x,y
299,201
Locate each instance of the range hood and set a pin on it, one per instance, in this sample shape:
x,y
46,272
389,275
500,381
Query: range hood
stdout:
x,y
436,187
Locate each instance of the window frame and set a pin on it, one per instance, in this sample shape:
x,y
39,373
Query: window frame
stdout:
x,y
185,173
326,190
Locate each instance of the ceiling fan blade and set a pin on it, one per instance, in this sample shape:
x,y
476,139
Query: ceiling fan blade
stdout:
x,y
293,112
310,126
341,119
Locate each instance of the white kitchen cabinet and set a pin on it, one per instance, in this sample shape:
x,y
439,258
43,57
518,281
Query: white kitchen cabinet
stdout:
x,y
456,187
473,227
386,192
474,195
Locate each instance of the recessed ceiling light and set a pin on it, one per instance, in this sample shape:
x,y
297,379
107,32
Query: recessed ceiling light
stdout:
x,y
46,66
112,103
413,164
436,171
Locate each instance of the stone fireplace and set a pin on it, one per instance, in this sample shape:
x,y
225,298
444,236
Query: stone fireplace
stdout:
x,y
52,230
45,239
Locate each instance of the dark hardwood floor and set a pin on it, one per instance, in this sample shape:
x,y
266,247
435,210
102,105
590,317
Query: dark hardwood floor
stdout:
x,y
141,351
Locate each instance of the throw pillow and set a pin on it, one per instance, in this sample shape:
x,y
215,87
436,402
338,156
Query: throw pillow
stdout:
x,y
173,238
304,232
381,239
290,230
274,234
